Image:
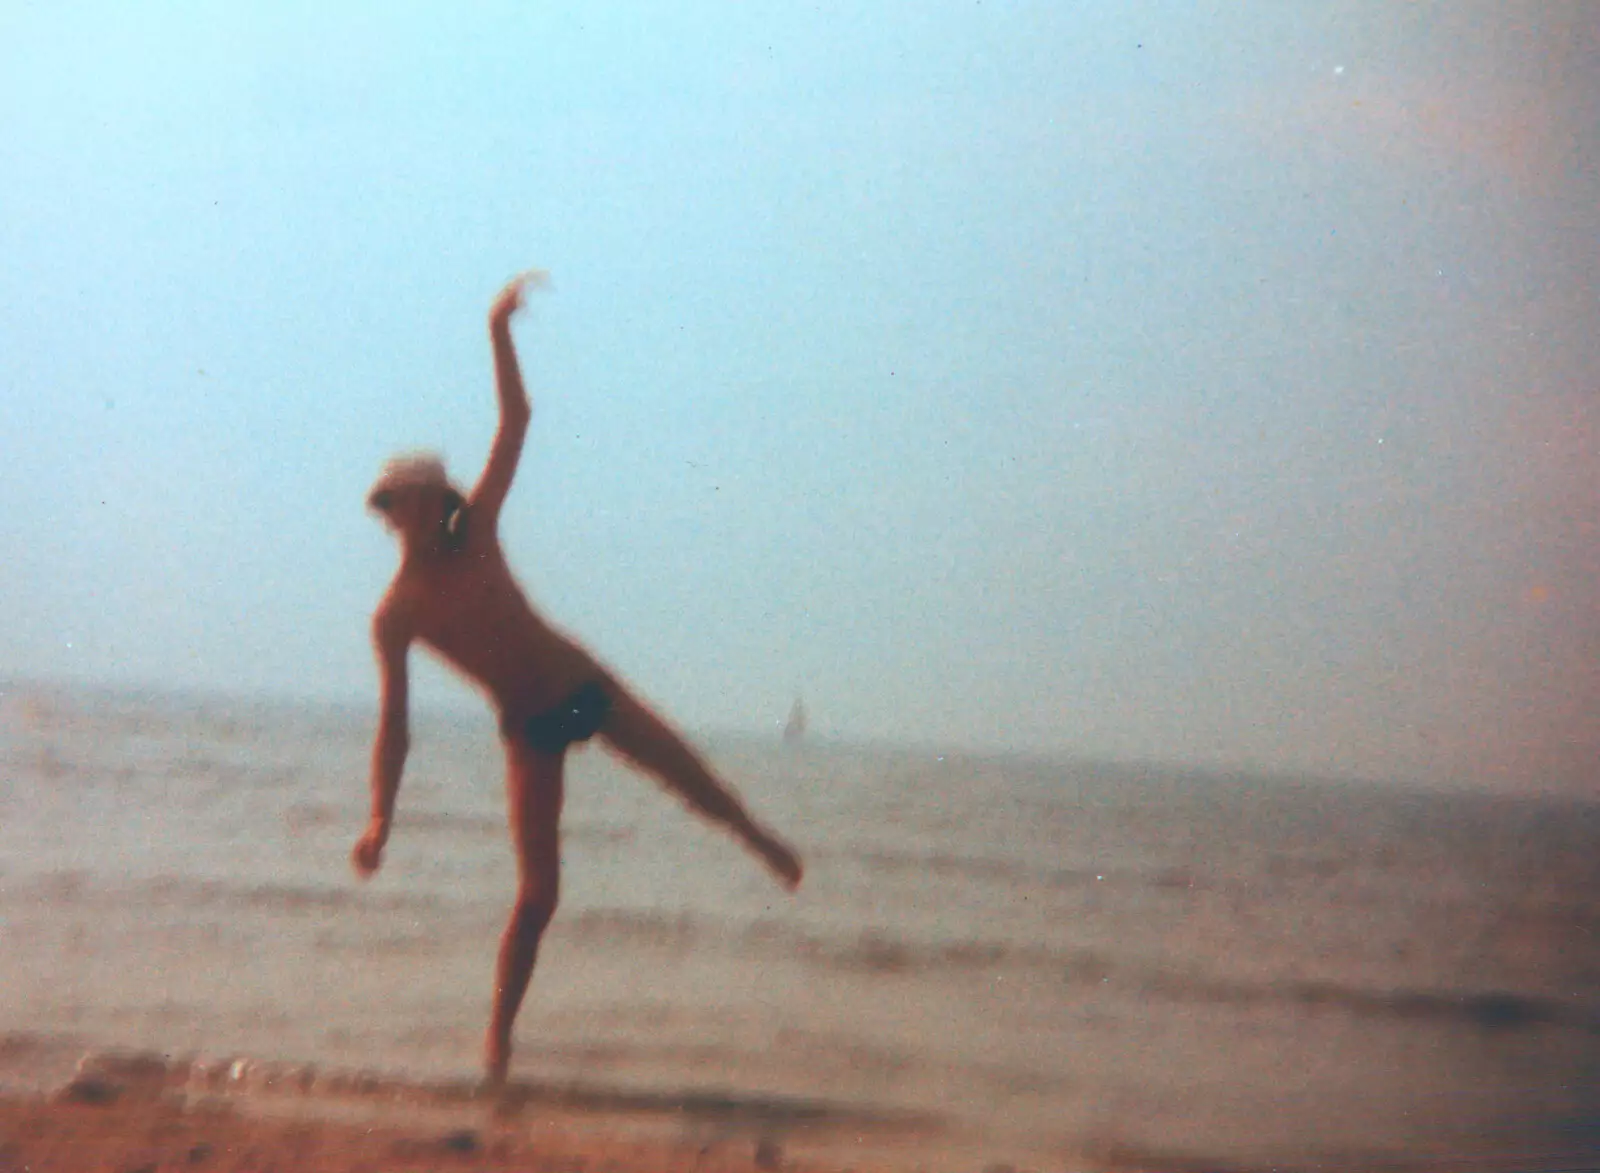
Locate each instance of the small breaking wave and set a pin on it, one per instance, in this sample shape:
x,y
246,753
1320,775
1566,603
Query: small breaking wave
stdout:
x,y
114,1073
877,953
308,816
869,951
1006,873
1017,875
495,827
677,932
1488,1009
77,888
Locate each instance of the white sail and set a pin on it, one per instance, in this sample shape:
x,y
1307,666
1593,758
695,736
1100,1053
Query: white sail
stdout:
x,y
795,728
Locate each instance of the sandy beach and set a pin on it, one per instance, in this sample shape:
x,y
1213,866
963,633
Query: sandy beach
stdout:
x,y
98,1125
93,1123
44,1135
133,1110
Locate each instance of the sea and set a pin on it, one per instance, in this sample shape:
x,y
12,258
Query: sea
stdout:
x,y
994,962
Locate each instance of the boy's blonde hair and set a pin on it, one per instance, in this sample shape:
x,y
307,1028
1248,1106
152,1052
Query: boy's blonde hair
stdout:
x,y
412,470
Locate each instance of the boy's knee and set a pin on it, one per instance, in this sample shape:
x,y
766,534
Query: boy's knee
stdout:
x,y
535,906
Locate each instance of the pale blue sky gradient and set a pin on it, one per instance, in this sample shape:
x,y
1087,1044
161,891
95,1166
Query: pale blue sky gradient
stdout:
x,y
1110,379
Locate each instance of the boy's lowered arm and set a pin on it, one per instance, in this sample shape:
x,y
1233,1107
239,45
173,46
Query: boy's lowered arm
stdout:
x,y
393,741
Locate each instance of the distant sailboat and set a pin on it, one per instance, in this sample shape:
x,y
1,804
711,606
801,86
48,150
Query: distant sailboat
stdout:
x,y
795,728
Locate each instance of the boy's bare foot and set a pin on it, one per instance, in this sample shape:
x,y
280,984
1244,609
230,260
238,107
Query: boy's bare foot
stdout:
x,y
785,864
496,1063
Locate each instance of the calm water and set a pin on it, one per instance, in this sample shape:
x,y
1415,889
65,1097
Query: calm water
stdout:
x,y
1071,966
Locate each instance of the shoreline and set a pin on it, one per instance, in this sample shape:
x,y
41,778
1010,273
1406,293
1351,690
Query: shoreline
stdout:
x,y
142,1110
60,1132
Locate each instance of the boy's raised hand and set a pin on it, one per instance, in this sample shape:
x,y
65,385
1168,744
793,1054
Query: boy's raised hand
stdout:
x,y
510,299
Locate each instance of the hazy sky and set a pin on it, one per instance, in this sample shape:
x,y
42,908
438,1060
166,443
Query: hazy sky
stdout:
x,y
1115,378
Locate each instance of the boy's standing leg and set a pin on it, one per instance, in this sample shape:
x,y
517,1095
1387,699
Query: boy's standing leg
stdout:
x,y
534,793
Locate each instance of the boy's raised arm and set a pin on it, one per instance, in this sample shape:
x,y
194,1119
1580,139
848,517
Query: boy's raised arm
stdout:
x,y
490,492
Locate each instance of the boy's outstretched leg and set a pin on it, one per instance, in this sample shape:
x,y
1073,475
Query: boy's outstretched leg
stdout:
x,y
534,795
651,744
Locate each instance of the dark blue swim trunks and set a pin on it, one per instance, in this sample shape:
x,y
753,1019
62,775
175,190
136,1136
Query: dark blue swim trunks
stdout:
x,y
577,718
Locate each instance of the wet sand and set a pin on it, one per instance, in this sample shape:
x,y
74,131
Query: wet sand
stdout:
x,y
141,1112
129,1134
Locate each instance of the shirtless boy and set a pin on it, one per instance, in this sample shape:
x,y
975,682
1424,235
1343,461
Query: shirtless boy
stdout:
x,y
455,594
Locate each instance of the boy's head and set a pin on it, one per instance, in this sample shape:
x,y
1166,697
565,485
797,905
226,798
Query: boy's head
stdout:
x,y
413,494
